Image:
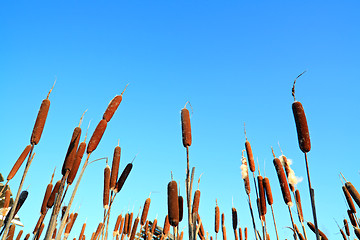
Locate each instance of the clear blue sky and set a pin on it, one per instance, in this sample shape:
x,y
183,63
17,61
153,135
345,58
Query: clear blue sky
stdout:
x,y
235,61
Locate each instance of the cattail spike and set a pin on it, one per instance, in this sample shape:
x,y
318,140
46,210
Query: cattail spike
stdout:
x,y
124,89
52,176
81,119
343,177
47,97
272,150
245,131
293,88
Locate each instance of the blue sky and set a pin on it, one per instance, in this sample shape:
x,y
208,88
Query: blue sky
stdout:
x,y
235,61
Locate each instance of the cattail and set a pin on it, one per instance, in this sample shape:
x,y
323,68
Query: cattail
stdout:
x,y
312,227
201,229
282,180
181,207
262,196
22,198
134,228
78,156
181,235
92,236
55,190
234,218
71,152
186,127
40,231
268,192
245,173
19,162
82,231
40,122
123,177
40,220
111,108
301,126
343,234
98,230
115,167
298,203
146,230
126,223
68,226
250,156
145,211
73,221
346,225
246,233
357,232
348,199
46,199
63,210
354,193
6,202
106,187
129,223
96,137
122,221
217,218
240,234
224,232
196,201
117,225
166,226
19,235
153,227
222,219
268,237
352,218
27,236
11,232
54,233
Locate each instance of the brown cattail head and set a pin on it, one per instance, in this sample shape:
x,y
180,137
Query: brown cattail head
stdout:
x,y
40,122
298,203
173,204
352,218
349,199
245,173
145,211
98,230
40,231
110,110
222,219
97,135
343,234
166,226
268,192
55,190
250,156
71,152
146,229
301,127
346,225
19,235
40,220
78,156
353,192
122,221
123,177
181,235
312,227
196,201
246,233
224,232
134,228
126,223
82,231
282,180
69,225
106,187
11,232
115,167
240,234
22,198
19,162
357,232
186,127
217,218
234,218
129,224
117,225
46,199
27,236
181,207
153,227
262,195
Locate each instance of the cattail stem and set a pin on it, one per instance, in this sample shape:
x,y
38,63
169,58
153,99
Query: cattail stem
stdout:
x,y
272,211
312,198
292,222
63,222
252,216
12,211
7,182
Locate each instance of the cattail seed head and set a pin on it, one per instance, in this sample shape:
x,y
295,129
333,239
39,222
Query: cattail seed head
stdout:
x,y
268,192
240,234
301,127
353,192
11,232
97,135
40,122
123,177
352,218
217,218
262,196
224,232
111,108
196,201
349,199
19,162
246,233
166,226
19,235
82,231
134,228
222,219
250,156
55,190
234,218
153,227
106,187
312,227
298,203
145,211
71,152
186,127
115,167
282,180
129,224
173,204
46,199
27,236
77,160
181,207
346,225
